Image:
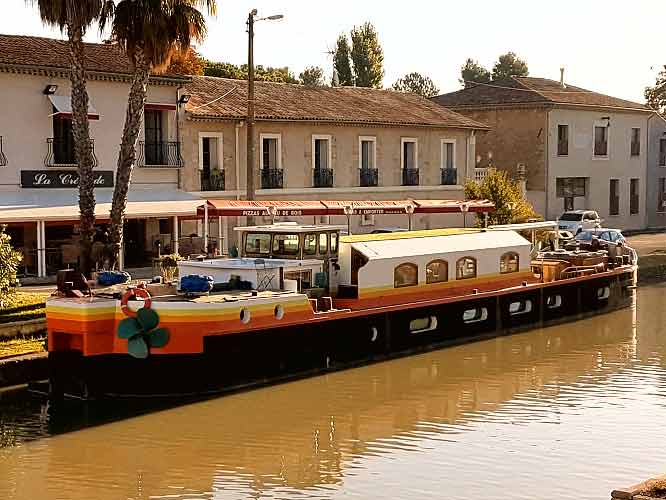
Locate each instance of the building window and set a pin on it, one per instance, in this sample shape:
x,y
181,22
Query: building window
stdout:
x,y
635,142
466,268
509,263
661,195
367,152
405,275
409,157
600,140
562,140
63,141
270,151
210,162
154,132
634,200
448,153
614,197
321,147
437,271
662,152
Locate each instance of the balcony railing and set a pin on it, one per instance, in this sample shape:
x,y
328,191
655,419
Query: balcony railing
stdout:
x,y
61,153
410,176
164,154
449,176
322,178
271,178
480,174
3,158
368,177
213,181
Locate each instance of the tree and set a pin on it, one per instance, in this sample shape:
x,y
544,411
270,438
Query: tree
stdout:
x,y
150,32
75,17
188,63
472,71
9,261
656,96
261,73
312,76
417,84
509,65
510,205
367,56
342,62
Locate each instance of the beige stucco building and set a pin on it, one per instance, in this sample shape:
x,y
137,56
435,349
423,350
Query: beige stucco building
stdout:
x,y
327,143
581,149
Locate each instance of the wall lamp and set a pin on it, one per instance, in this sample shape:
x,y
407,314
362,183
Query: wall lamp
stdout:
x,y
184,99
50,89
607,118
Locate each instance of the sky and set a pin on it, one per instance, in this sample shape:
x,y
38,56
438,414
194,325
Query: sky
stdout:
x,y
609,46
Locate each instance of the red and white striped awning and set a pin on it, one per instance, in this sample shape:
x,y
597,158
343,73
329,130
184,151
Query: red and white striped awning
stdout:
x,y
235,208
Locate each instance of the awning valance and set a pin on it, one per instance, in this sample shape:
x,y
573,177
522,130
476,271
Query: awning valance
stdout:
x,y
63,106
159,106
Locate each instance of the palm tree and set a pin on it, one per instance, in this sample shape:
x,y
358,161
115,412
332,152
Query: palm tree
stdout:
x,y
150,32
75,16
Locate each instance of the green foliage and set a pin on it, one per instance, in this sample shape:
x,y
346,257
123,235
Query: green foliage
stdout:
x,y
472,71
342,62
656,96
367,56
312,76
9,261
261,73
169,266
142,333
509,65
510,205
417,84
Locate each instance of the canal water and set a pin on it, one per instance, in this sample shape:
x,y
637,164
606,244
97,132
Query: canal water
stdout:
x,y
568,412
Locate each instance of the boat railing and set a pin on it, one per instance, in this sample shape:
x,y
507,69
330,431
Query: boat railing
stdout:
x,y
578,271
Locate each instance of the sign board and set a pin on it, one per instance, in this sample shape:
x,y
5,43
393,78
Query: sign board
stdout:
x,y
53,179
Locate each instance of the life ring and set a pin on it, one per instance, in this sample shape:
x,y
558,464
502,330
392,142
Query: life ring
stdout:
x,y
131,293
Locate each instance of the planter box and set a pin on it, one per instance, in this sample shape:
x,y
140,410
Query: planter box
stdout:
x,y
22,328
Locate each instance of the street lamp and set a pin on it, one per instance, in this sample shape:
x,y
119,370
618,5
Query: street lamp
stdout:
x,y
464,208
410,210
348,211
251,19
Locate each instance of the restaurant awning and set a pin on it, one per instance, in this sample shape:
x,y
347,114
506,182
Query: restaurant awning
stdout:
x,y
235,208
63,107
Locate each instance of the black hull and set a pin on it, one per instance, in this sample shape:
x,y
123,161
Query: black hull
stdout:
x,y
234,362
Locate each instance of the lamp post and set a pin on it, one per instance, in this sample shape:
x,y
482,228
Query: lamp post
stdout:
x,y
410,210
348,210
464,208
251,147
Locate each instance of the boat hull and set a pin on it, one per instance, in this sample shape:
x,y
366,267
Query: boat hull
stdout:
x,y
249,359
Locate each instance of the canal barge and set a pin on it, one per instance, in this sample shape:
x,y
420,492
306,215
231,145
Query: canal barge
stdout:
x,y
304,299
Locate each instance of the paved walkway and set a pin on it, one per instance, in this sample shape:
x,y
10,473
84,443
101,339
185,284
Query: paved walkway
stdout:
x,y
648,244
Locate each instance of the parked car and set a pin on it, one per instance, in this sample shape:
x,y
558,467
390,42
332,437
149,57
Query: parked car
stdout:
x,y
605,235
578,220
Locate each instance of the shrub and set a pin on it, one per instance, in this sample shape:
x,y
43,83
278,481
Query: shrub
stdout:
x,y
169,266
9,261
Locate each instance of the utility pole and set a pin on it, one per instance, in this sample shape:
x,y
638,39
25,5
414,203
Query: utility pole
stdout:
x,y
250,107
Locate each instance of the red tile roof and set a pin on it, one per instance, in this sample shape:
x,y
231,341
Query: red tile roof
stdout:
x,y
221,98
529,90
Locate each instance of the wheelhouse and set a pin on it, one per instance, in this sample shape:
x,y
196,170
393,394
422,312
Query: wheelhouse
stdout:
x,y
289,241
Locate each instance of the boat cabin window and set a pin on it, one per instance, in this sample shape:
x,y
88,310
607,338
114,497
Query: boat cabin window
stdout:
x,y
323,243
466,268
334,242
437,271
405,275
310,244
258,243
285,244
509,263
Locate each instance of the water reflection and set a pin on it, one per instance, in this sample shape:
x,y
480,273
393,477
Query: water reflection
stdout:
x,y
579,401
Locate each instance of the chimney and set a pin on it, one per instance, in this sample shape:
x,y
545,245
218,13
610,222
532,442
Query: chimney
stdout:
x,y
562,78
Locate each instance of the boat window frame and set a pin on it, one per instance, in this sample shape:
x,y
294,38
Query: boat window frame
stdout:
x,y
458,267
277,236
315,247
504,261
430,281
319,248
334,248
254,253
406,265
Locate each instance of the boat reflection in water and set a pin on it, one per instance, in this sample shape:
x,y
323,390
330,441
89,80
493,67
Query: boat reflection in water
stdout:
x,y
520,411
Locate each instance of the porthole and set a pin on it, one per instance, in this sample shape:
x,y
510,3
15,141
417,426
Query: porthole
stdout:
x,y
553,301
374,333
603,293
520,307
421,325
279,312
475,315
245,316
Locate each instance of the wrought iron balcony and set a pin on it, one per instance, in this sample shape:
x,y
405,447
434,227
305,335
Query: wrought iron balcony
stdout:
x,y
271,178
3,158
322,178
449,176
160,154
368,177
213,181
410,176
61,153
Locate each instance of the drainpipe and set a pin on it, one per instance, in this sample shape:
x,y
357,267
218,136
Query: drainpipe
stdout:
x,y
547,183
180,175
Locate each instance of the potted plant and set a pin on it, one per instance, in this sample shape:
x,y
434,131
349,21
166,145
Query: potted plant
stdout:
x,y
169,266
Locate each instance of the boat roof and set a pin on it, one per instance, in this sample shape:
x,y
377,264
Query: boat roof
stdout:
x,y
290,227
472,242
426,233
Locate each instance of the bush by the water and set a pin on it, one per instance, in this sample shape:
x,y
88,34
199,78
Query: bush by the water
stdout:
x,y
9,262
